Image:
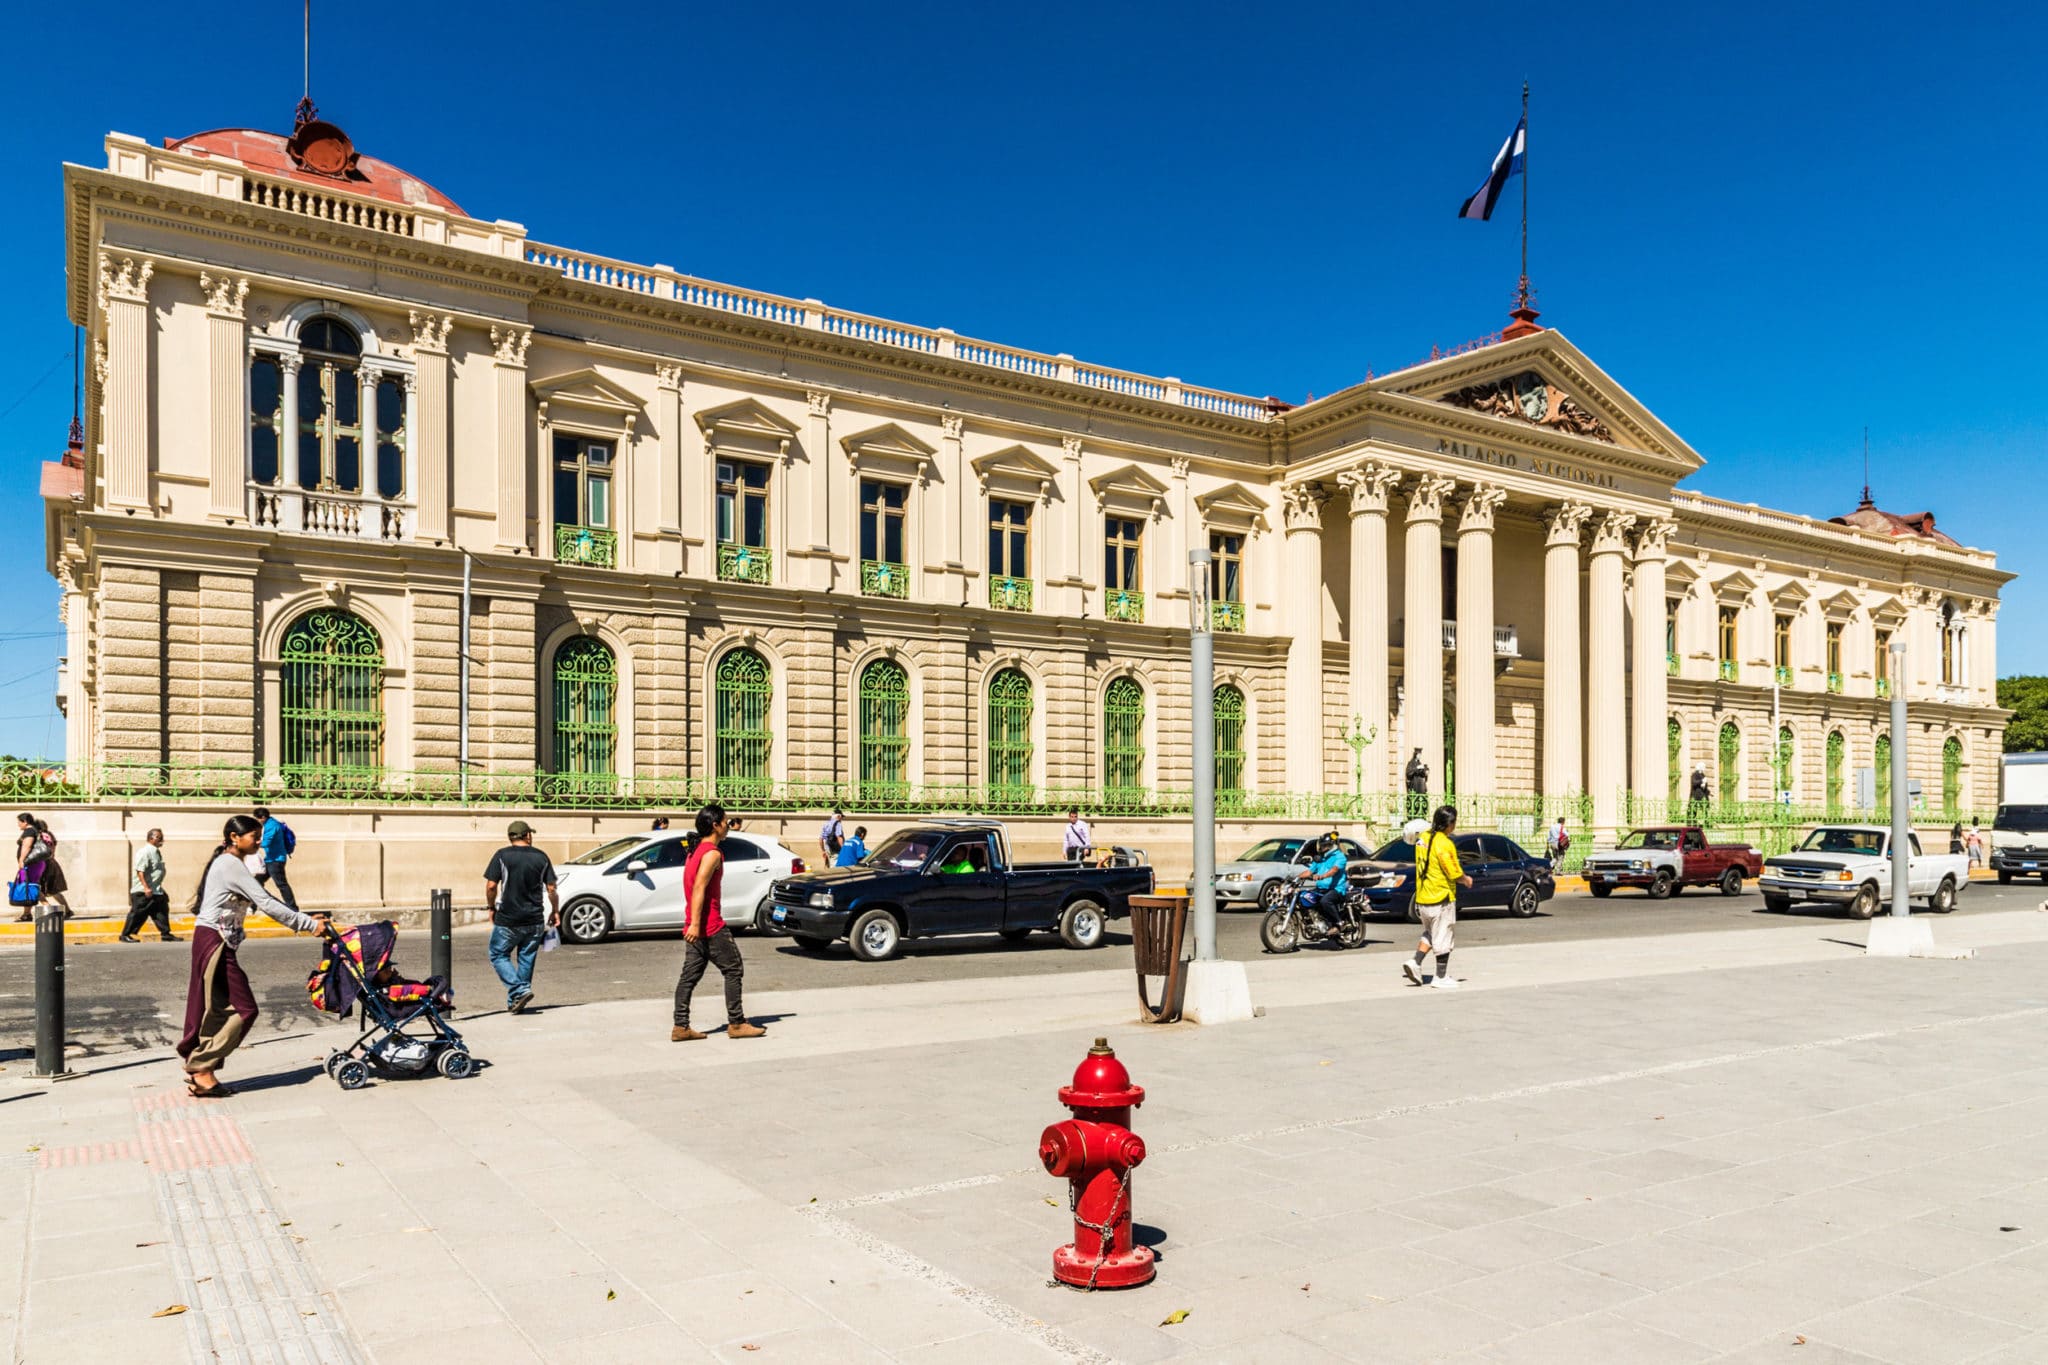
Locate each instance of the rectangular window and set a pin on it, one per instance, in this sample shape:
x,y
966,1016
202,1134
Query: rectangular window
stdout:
x,y
1781,643
1726,633
266,417
742,503
1226,567
1009,539
881,522
1122,557
390,438
1448,558
1834,647
583,482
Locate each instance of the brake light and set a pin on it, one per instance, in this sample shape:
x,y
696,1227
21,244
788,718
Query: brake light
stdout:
x,y
796,867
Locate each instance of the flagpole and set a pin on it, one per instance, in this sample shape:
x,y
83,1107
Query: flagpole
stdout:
x,y
1525,191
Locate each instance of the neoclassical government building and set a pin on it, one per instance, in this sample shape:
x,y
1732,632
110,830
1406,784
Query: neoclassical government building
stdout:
x,y
716,539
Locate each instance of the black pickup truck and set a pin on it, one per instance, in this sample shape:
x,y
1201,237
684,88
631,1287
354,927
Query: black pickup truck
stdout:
x,y
951,877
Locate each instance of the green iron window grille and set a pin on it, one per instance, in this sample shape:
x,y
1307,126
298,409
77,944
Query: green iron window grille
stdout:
x,y
1783,673
1674,740
586,722
1124,604
1881,761
1229,708
1728,670
743,739
1226,616
331,712
1009,594
1781,763
880,578
1838,755
745,563
1010,705
1731,762
1671,664
586,545
884,733
1834,682
1884,687
1123,743
1951,775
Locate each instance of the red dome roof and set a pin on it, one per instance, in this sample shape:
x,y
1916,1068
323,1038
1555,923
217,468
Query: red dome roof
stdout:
x,y
268,154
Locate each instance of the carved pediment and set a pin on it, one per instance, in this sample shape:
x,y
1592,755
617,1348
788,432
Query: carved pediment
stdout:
x,y
1129,485
747,426
1735,589
887,443
1888,612
1231,505
1529,397
1841,606
584,389
1017,465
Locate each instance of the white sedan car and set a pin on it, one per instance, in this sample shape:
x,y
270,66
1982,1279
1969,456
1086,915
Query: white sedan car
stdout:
x,y
637,883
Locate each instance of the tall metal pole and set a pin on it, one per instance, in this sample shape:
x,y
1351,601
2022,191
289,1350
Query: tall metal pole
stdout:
x,y
1202,711
1902,800
462,687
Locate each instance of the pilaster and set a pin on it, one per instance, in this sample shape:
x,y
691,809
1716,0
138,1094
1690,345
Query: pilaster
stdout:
x,y
227,393
124,303
509,345
427,421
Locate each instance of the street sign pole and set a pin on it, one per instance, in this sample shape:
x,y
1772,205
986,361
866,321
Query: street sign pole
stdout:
x,y
1202,708
1902,799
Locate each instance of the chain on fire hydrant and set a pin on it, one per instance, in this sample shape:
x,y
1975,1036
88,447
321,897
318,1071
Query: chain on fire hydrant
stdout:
x,y
1097,1151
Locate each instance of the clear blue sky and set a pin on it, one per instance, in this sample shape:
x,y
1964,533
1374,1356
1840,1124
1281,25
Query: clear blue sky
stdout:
x,y
1774,224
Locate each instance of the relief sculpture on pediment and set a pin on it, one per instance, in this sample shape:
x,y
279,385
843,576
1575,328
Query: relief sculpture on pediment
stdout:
x,y
1528,398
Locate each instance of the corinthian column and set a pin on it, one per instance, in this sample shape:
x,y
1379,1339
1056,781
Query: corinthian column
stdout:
x,y
1562,770
1422,628
1369,486
1303,623
1650,755
1475,640
1606,669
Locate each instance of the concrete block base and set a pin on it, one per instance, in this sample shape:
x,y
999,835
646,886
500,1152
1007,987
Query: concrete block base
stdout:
x,y
1907,936
1218,993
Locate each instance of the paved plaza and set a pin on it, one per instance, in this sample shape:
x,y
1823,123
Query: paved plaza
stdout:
x,y
1739,1144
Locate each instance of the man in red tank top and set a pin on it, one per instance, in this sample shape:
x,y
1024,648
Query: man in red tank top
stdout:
x,y
706,940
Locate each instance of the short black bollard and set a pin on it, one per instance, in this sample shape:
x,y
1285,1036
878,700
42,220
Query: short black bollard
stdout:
x,y
443,921
50,994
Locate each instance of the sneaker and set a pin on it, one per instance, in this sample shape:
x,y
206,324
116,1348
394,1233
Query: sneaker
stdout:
x,y
130,938
1412,972
1445,983
683,1033
744,1030
520,1005
172,938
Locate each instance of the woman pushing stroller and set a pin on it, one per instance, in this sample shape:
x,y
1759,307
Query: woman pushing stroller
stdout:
x,y
220,1009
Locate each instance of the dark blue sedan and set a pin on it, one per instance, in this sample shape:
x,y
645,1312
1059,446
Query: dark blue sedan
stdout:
x,y
1504,876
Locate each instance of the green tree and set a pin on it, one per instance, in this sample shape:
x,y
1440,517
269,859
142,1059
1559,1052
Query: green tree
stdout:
x,y
2027,699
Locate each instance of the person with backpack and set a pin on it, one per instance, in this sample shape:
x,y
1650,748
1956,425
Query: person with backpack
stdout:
x,y
38,876
1555,842
278,845
1438,875
832,837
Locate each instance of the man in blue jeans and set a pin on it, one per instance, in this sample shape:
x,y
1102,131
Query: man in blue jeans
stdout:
x,y
514,883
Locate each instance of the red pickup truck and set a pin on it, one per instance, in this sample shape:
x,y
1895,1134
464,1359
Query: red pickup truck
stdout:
x,y
1664,859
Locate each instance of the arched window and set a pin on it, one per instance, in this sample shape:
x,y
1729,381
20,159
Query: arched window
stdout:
x,y
1674,738
1781,764
1229,747
1731,763
330,407
1951,775
586,720
884,734
743,738
1838,752
1123,743
331,711
1881,760
1010,706
266,418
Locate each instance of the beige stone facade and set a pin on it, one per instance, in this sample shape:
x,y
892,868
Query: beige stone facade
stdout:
x,y
1496,539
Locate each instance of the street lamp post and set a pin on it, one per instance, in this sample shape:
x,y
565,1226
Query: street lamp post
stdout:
x,y
1202,710
1358,738
1902,800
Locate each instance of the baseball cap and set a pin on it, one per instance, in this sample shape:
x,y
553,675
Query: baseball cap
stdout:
x,y
518,829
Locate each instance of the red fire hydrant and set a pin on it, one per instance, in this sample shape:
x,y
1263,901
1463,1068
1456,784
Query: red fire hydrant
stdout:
x,y
1097,1151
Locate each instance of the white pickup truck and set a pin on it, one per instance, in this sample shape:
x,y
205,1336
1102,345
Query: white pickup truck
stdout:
x,y
1851,865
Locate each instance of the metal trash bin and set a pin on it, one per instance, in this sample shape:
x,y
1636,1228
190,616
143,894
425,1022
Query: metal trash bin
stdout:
x,y
1159,926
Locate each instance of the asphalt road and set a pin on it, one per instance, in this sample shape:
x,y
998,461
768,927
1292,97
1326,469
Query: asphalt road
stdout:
x,y
123,996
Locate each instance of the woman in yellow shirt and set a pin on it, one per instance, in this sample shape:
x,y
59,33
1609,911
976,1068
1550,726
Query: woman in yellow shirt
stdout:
x,y
1438,875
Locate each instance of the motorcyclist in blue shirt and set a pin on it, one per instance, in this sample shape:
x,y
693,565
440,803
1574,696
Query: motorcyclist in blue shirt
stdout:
x,y
1327,875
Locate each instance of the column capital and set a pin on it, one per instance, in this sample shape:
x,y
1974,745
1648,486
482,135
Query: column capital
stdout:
x,y
1565,522
1610,537
820,403
1653,537
225,294
953,426
669,377
1302,505
127,280
1181,465
1476,513
1426,497
1370,486
1070,446
510,343
430,332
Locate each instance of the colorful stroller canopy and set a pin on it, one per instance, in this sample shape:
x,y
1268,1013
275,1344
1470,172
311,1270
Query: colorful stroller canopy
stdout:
x,y
349,962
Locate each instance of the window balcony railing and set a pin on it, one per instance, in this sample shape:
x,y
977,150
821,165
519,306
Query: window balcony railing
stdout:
x,y
1783,674
1123,604
1834,682
1009,594
881,578
1730,670
745,563
1671,663
590,545
1227,616
1507,642
1884,687
341,516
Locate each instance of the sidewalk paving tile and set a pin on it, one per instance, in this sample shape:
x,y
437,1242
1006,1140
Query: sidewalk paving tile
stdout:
x,y
1912,1331
1596,1337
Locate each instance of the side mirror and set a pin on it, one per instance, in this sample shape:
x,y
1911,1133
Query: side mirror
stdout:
x,y
637,865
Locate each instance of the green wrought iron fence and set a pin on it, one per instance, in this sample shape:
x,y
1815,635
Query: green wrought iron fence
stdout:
x,y
1951,774
1123,744
1009,594
743,739
1010,705
1123,604
1226,616
586,731
745,563
331,712
1881,764
586,545
884,737
1837,755
1730,754
884,578
1229,709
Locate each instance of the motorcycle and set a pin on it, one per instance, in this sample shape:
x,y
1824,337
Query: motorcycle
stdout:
x,y
1289,924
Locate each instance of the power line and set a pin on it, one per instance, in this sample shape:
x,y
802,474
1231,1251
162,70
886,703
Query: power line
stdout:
x,y
29,392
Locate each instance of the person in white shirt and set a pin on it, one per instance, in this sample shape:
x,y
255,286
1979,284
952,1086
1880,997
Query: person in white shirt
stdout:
x,y
832,836
1079,838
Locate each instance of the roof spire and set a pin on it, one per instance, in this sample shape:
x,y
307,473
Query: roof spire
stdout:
x,y
1524,314
1866,472
306,113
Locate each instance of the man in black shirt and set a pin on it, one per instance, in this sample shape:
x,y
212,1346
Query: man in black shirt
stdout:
x,y
514,883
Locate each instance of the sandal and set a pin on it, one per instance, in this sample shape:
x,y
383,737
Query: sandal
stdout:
x,y
219,1090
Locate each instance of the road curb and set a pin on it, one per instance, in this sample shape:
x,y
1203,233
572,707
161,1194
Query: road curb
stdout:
x,y
87,929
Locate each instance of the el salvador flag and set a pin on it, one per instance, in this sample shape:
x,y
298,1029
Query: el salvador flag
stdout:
x,y
1506,163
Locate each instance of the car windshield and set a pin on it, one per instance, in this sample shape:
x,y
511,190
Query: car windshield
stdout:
x,y
1271,851
1652,838
604,852
909,849
1395,850
2022,819
1844,841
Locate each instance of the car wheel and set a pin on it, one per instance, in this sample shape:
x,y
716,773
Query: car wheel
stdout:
x,y
1865,904
1600,893
586,920
1269,894
1277,931
1013,935
764,919
1414,912
1525,901
811,943
1660,886
1777,905
1731,882
1944,897
875,936
1082,925
2005,879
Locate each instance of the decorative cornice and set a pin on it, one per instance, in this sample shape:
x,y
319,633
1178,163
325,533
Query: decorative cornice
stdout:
x,y
1476,513
225,294
127,281
1302,506
1611,535
1371,486
1565,522
510,343
1426,497
430,332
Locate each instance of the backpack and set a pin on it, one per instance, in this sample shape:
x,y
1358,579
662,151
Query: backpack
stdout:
x,y
291,840
1564,841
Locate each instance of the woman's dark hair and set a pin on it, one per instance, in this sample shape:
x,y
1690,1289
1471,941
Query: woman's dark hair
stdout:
x,y
708,817
25,818
1445,817
236,827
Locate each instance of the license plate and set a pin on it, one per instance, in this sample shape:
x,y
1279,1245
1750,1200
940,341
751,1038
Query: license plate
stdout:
x,y
780,915
1607,876
2028,867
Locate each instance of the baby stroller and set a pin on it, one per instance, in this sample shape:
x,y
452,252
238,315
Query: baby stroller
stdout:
x,y
355,971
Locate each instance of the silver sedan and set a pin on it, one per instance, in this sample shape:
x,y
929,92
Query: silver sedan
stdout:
x,y
1260,873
